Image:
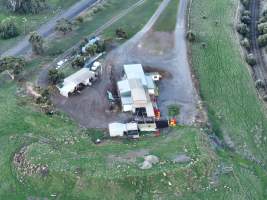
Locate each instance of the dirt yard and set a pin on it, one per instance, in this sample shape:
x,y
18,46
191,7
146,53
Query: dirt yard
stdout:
x,y
91,108
165,52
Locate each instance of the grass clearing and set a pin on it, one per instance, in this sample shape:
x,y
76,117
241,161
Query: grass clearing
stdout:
x,y
167,19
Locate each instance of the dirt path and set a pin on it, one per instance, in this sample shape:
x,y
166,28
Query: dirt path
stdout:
x,y
178,89
48,28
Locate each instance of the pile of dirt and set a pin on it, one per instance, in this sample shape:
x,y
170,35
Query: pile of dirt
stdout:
x,y
165,74
149,161
25,167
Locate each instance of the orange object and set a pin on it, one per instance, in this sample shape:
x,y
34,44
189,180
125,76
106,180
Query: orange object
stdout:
x,y
157,113
172,122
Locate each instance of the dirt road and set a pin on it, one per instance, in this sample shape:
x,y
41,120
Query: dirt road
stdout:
x,y
48,28
42,77
154,49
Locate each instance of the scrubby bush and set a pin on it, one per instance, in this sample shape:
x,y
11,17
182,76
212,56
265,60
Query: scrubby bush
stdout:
x,y
78,62
251,59
246,13
64,26
16,65
262,40
243,29
245,43
121,33
245,3
55,77
26,6
37,43
262,28
79,19
259,84
190,35
8,28
265,98
245,19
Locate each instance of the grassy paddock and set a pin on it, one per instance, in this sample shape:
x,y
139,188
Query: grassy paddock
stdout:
x,y
225,83
167,19
24,126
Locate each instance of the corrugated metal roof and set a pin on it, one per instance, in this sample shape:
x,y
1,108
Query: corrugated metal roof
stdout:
x,y
124,87
135,71
79,77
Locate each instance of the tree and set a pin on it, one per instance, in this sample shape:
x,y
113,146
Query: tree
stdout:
x,y
91,50
262,28
26,6
8,28
246,19
14,64
121,33
262,40
251,59
245,43
243,29
245,3
37,43
190,35
78,62
64,26
55,77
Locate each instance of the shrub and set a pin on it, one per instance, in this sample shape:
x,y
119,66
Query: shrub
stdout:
x,y
245,19
80,19
251,59
173,110
121,33
262,28
55,77
259,84
245,43
190,35
8,28
64,26
245,3
78,62
262,40
243,29
26,6
246,13
12,63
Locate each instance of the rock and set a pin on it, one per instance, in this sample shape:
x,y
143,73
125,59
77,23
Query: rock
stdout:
x,y
181,159
146,165
152,159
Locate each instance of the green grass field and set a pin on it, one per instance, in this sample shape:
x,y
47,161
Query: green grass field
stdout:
x,y
33,21
225,83
167,19
79,169
25,126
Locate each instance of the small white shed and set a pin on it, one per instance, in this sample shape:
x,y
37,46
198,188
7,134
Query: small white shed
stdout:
x,y
117,129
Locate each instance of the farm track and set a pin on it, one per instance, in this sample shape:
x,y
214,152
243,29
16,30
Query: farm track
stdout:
x,y
42,78
260,69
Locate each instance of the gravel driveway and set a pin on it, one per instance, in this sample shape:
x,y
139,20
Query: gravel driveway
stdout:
x,y
177,89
